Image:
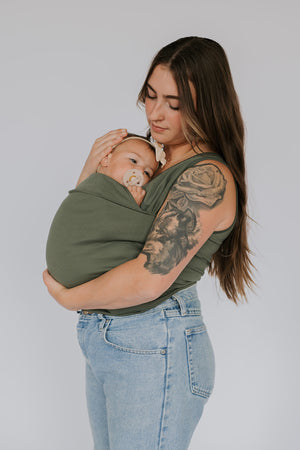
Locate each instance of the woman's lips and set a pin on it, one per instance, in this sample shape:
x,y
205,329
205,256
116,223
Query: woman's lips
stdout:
x,y
157,129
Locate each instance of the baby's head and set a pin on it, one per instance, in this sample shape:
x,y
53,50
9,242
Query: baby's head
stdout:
x,y
132,153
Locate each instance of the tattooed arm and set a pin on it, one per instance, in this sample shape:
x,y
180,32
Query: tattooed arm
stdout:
x,y
193,210
179,226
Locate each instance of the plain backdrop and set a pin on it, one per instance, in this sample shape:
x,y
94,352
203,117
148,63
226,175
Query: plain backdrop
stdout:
x,y
70,72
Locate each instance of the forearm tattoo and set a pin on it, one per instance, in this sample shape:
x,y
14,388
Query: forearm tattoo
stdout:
x,y
176,230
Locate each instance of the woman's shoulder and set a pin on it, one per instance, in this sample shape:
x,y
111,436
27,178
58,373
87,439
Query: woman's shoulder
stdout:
x,y
219,177
221,166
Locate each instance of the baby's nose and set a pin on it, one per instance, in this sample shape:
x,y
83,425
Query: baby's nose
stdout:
x,y
141,168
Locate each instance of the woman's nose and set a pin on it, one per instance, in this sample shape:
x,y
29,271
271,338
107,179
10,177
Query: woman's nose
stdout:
x,y
156,112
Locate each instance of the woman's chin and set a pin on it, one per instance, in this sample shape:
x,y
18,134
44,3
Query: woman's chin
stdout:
x,y
157,134
159,137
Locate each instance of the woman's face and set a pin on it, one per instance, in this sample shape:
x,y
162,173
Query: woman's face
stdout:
x,y
163,107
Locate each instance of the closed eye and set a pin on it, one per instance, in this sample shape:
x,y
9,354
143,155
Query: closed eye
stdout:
x,y
133,160
154,98
149,96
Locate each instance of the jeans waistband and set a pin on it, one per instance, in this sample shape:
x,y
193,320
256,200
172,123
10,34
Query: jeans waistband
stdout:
x,y
184,302
188,301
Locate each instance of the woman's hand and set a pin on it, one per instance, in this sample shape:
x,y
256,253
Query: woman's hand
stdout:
x,y
56,290
101,148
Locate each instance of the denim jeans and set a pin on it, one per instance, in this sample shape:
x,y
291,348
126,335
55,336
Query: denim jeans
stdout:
x,y
148,375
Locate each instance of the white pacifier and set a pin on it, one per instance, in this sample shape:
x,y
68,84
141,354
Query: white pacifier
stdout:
x,y
133,177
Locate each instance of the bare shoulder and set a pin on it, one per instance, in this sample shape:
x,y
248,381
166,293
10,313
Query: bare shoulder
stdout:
x,y
218,174
210,184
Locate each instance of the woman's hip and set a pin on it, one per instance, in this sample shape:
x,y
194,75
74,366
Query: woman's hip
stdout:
x,y
156,372
171,336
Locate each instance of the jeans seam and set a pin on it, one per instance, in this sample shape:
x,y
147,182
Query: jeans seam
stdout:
x,y
188,333
165,401
82,340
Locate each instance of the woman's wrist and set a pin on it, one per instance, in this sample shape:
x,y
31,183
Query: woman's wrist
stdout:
x,y
83,176
75,298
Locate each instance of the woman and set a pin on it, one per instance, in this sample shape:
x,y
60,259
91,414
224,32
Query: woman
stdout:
x,y
149,360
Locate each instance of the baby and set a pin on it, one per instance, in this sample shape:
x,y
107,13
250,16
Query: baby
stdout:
x,y
101,224
132,163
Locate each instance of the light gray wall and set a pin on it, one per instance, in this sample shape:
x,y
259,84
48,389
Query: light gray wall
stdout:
x,y
71,71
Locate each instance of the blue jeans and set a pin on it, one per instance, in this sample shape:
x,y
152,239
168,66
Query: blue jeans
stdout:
x,y
148,375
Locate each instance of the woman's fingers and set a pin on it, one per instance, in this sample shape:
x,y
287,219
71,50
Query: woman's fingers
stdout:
x,y
109,140
101,148
115,133
112,137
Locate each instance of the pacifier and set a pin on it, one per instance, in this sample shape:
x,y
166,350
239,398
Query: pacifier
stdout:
x,y
133,177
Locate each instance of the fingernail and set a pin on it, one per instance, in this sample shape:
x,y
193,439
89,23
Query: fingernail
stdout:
x,y
124,132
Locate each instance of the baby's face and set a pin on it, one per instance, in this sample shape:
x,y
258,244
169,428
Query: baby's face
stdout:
x,y
131,154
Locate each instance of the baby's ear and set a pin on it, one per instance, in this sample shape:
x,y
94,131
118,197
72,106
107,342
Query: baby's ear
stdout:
x,y
105,161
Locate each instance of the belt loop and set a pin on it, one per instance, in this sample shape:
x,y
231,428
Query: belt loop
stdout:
x,y
181,304
104,322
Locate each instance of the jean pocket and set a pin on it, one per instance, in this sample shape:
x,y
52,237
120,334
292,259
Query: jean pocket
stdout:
x,y
201,361
138,336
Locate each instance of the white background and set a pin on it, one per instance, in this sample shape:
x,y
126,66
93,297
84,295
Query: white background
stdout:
x,y
70,72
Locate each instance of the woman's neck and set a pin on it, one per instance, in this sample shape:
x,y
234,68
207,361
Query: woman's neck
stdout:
x,y
178,153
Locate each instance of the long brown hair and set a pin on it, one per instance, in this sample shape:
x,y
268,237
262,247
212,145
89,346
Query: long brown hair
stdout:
x,y
216,120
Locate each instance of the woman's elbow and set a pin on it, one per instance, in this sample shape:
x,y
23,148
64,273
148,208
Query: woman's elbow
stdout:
x,y
147,292
149,286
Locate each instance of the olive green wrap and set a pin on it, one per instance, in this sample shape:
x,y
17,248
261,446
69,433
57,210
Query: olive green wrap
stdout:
x,y
99,226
